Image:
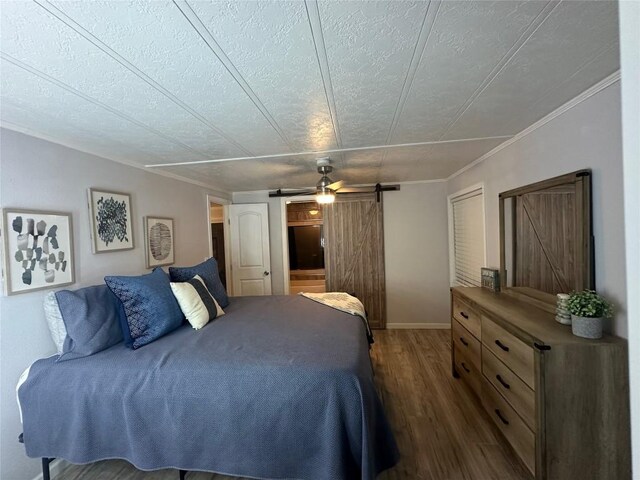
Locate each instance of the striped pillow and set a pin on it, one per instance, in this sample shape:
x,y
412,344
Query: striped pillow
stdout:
x,y
196,302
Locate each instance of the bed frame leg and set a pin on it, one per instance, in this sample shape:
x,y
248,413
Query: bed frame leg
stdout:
x,y
182,474
46,475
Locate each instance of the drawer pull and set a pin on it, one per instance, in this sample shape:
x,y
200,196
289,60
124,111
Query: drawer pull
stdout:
x,y
464,315
465,367
464,342
499,414
502,345
504,384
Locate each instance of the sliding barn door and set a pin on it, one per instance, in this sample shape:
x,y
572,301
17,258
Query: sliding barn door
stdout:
x,y
354,252
549,254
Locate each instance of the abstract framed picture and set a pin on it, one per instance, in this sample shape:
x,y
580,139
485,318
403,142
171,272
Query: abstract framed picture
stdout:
x,y
38,250
111,221
158,241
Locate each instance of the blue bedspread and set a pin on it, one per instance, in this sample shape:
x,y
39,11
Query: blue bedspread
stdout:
x,y
278,388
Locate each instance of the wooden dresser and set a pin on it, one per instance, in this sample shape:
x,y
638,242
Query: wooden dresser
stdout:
x,y
562,402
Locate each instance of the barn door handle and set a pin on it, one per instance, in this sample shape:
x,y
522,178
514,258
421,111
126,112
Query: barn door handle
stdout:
x,y
266,273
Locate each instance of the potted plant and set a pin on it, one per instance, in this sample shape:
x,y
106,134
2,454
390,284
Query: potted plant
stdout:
x,y
588,309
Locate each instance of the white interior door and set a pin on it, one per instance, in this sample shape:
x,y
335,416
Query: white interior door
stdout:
x,y
250,260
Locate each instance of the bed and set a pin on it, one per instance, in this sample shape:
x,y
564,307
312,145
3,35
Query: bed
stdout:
x,y
281,387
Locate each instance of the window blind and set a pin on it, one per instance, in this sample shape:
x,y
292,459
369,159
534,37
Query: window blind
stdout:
x,y
468,238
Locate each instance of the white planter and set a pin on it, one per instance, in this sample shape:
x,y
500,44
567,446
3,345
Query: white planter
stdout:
x,y
586,327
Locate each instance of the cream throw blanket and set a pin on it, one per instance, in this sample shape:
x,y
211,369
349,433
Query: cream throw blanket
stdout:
x,y
343,302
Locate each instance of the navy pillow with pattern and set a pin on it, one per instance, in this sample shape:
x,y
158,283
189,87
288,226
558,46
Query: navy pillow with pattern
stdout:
x,y
208,271
151,309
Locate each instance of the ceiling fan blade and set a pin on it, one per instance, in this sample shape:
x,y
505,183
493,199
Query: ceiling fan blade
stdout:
x,y
336,185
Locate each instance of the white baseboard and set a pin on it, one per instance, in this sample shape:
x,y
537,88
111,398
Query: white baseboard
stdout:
x,y
55,468
419,326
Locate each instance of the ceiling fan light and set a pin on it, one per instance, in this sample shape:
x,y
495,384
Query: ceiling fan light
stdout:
x,y
325,197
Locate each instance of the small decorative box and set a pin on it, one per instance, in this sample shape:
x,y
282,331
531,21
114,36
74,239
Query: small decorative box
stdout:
x,y
490,278
562,310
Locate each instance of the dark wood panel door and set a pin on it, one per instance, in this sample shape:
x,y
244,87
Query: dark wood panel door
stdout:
x,y
217,244
547,243
354,252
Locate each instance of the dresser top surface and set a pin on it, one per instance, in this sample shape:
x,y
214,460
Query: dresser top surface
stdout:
x,y
526,320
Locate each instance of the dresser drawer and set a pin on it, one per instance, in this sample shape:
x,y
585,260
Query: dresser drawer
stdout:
x,y
520,437
466,343
515,391
467,370
512,351
468,318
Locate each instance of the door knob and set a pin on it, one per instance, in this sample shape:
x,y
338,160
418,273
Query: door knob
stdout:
x,y
266,273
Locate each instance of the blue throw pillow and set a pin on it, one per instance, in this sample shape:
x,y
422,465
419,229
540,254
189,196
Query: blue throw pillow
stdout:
x,y
91,318
150,307
208,271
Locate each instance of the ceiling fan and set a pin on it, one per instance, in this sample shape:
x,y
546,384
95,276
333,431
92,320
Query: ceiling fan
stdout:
x,y
326,189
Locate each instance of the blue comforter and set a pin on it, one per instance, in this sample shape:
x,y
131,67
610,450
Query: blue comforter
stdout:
x,y
278,388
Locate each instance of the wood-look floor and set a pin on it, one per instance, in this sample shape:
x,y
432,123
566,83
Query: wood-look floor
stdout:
x,y
442,431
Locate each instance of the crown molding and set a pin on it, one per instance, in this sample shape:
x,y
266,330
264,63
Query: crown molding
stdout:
x,y
591,91
418,182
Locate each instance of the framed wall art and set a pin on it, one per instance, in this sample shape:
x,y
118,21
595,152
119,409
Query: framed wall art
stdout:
x,y
38,250
110,217
158,241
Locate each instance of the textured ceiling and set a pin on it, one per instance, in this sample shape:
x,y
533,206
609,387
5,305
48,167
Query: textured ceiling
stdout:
x,y
164,83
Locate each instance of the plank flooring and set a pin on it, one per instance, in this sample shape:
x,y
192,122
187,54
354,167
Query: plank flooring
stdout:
x,y
442,431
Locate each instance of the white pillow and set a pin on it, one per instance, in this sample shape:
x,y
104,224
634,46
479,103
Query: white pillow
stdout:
x,y
196,302
54,321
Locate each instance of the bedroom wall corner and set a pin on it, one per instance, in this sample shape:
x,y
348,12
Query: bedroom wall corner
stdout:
x,y
40,175
588,135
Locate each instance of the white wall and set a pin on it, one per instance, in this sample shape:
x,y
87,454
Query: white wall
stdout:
x,y
630,60
416,252
41,175
586,136
417,255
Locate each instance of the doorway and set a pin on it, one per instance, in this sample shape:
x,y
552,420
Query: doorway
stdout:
x,y
305,247
352,236
217,240
219,237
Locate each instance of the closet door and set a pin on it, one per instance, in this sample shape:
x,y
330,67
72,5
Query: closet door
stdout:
x,y
354,252
250,257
